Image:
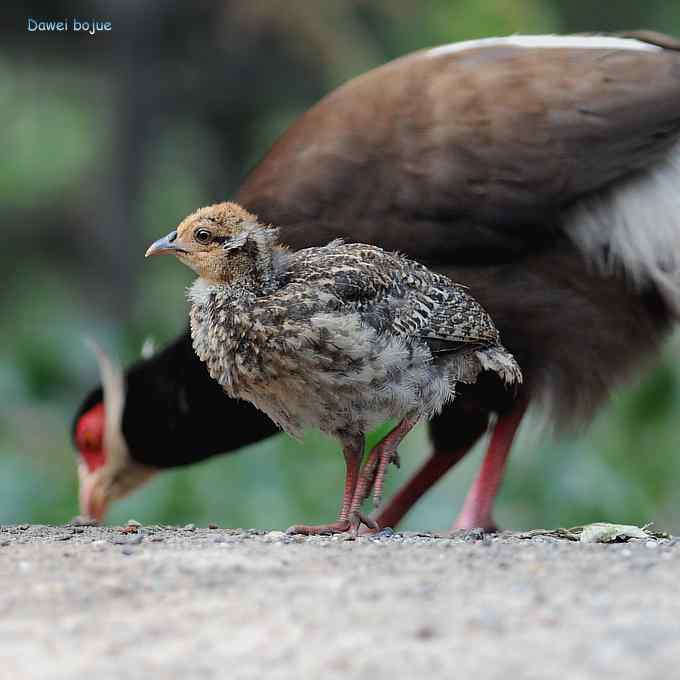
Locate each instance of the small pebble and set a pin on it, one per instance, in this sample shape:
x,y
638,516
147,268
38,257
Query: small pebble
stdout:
x,y
299,538
425,633
127,539
63,537
213,526
83,521
335,537
134,523
475,535
387,532
4,543
189,527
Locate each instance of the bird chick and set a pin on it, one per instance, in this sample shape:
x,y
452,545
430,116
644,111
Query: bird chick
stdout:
x,y
341,337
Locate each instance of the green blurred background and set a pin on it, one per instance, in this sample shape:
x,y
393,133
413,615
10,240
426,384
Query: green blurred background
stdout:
x,y
108,141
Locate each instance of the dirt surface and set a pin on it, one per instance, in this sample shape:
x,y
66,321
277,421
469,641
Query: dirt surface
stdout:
x,y
84,602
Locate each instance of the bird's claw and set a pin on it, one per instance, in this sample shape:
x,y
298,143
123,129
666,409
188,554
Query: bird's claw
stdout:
x,y
357,518
338,527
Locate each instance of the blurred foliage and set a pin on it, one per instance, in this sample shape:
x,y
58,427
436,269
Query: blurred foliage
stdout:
x,y
108,141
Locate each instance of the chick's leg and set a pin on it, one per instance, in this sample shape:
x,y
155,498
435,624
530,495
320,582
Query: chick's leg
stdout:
x,y
387,453
375,468
352,449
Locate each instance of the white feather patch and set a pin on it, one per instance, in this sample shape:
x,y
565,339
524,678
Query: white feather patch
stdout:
x,y
113,388
634,227
548,41
198,293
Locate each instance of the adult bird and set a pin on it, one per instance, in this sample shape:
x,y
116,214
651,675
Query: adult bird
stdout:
x,y
540,171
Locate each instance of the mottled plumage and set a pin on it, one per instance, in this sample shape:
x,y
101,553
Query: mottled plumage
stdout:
x,y
341,337
350,336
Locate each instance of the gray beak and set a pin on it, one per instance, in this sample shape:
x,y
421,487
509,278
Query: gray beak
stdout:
x,y
164,245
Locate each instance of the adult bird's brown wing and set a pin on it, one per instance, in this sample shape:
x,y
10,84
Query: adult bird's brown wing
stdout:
x,y
456,153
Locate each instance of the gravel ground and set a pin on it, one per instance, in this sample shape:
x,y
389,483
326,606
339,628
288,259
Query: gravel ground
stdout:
x,y
165,602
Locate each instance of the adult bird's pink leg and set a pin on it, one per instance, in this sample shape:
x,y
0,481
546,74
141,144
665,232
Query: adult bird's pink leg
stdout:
x,y
431,471
353,450
478,505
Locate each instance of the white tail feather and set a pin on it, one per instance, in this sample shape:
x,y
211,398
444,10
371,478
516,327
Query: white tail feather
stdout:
x,y
634,227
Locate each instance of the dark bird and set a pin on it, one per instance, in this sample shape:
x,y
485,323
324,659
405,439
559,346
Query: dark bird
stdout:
x,y
540,171
341,337
151,425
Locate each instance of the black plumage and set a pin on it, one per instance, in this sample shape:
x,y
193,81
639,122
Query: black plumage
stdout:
x,y
165,396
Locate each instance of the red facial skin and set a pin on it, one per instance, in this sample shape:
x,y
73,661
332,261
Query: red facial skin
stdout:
x,y
89,437
89,440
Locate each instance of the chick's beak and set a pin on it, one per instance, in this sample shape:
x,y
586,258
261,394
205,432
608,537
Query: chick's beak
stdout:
x,y
167,244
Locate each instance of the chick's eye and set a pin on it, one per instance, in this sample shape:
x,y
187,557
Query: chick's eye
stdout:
x,y
202,235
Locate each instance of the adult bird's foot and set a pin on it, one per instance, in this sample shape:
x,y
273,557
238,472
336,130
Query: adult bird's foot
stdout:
x,y
320,529
478,506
